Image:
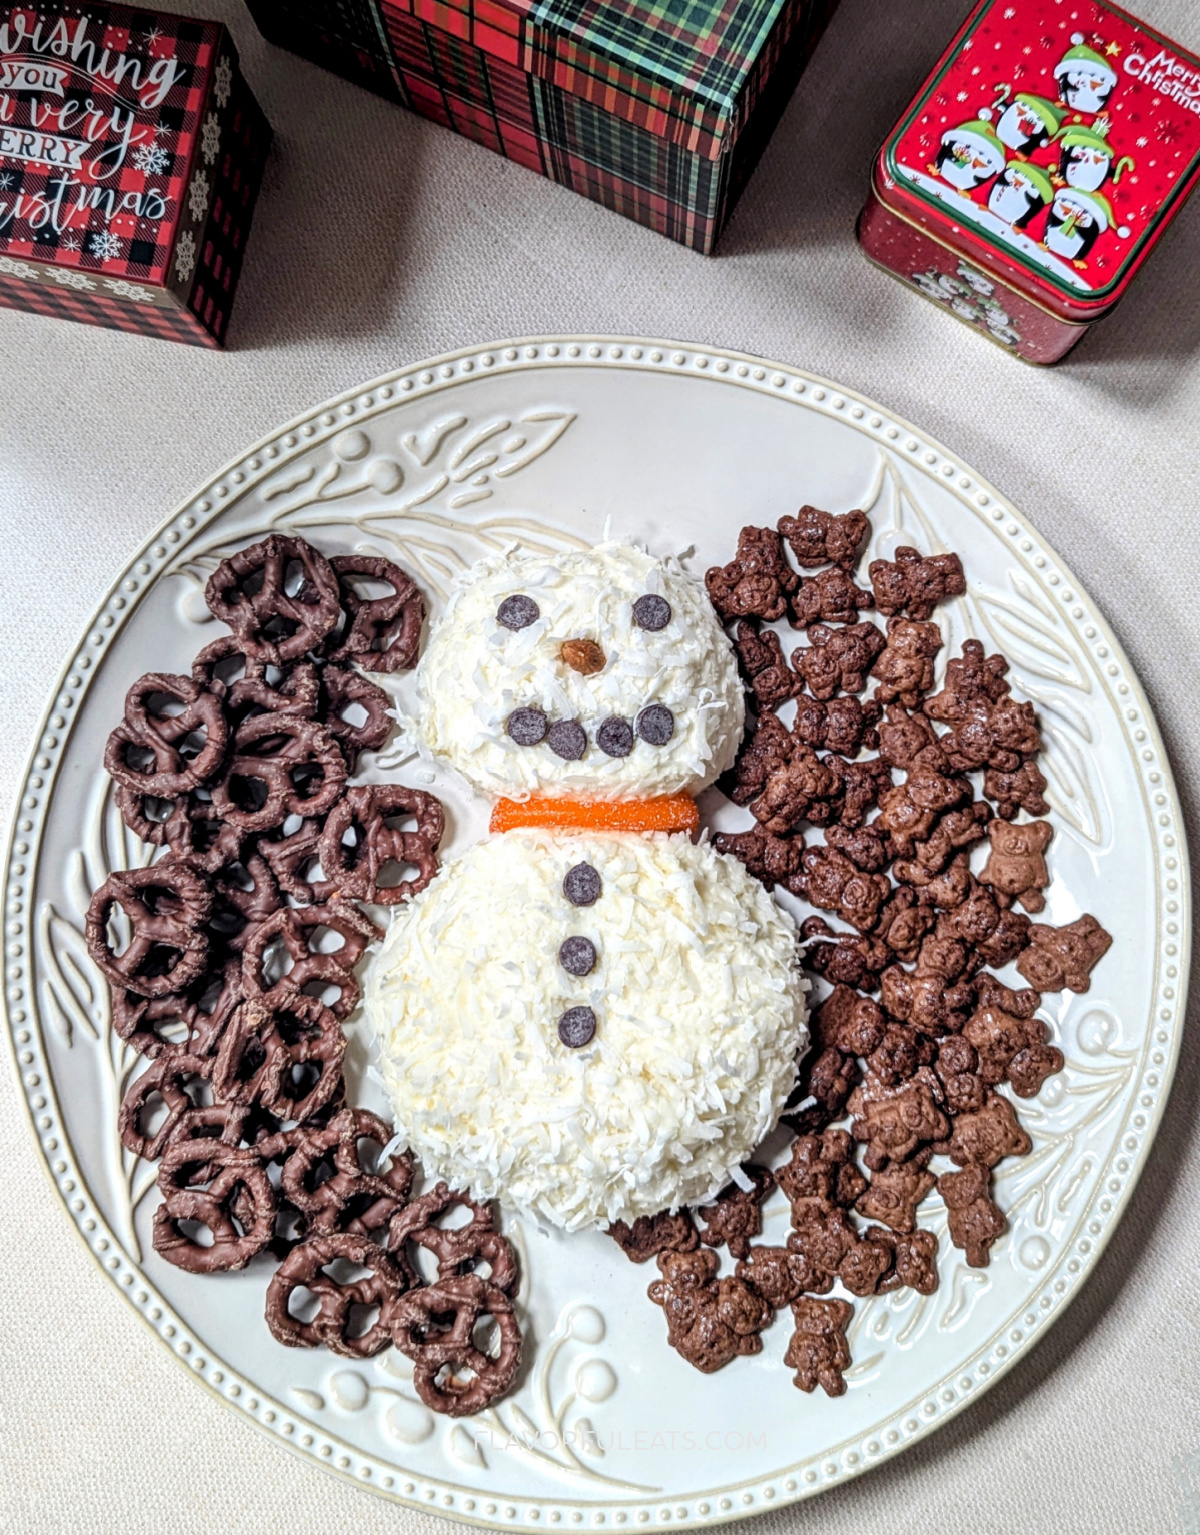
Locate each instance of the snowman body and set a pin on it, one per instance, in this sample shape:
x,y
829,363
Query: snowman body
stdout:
x,y
587,1024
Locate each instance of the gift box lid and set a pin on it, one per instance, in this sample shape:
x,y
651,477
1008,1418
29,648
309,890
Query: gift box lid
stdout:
x,y
685,70
1053,143
103,113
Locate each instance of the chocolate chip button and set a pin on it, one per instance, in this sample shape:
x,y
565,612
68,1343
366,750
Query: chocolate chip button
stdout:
x,y
652,612
577,1027
655,724
518,612
581,886
615,737
526,726
567,740
577,955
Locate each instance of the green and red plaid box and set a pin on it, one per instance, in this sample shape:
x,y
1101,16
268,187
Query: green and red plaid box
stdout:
x,y
131,153
659,109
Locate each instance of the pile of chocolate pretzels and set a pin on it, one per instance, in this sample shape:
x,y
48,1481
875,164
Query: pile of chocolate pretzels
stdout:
x,y
231,960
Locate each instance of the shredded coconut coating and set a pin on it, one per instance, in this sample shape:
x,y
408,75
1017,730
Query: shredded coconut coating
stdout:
x,y
700,1019
475,672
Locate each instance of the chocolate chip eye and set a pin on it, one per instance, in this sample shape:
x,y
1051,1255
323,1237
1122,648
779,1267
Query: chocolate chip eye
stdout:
x,y
655,724
518,612
652,612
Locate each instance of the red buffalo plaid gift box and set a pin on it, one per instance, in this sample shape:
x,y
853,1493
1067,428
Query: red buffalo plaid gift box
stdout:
x,y
659,109
131,153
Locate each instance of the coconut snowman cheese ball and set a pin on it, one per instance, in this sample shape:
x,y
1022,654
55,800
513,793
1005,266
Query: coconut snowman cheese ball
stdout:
x,y
603,673
586,1023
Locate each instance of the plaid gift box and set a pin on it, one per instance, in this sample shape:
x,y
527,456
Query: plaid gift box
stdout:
x,y
131,153
659,109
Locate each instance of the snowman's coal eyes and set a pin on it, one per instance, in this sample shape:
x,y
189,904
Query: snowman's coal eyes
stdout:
x,y
518,612
652,612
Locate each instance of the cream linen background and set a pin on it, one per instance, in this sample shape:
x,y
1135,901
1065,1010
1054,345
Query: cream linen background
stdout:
x,y
380,239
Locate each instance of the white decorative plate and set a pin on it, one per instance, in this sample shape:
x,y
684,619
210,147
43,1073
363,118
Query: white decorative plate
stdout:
x,y
548,442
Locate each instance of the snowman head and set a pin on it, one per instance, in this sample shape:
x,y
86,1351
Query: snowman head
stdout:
x,y
1085,79
597,674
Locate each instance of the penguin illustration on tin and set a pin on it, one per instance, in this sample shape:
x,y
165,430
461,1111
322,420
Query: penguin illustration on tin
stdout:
x,y
1020,193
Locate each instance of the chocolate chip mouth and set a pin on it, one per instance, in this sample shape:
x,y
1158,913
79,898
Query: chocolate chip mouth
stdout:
x,y
568,739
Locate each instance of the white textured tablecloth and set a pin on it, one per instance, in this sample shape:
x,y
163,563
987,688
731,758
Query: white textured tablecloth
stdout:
x,y
380,239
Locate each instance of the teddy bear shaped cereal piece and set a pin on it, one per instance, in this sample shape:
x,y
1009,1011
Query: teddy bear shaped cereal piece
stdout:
x,y
838,658
736,1214
1016,865
709,1320
989,728
761,662
974,1219
1059,957
829,597
844,724
915,583
650,1235
818,1352
822,538
758,580
905,667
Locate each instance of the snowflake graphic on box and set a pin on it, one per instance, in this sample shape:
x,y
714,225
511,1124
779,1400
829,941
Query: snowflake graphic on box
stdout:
x,y
130,290
210,138
12,268
104,245
185,256
67,277
198,196
222,81
151,159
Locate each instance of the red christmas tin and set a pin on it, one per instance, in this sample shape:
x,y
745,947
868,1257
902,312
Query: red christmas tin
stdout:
x,y
131,153
1036,169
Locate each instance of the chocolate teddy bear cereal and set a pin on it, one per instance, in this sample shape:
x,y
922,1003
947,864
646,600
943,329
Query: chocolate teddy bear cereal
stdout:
x,y
218,960
916,1038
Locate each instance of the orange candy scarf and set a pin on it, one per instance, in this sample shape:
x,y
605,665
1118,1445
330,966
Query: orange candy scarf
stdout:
x,y
670,812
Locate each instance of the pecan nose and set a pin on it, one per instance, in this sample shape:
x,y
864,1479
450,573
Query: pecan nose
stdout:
x,y
583,656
